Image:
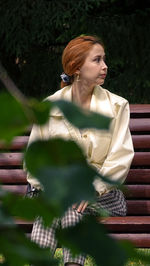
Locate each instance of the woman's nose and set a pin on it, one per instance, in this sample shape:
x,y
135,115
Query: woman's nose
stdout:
x,y
104,66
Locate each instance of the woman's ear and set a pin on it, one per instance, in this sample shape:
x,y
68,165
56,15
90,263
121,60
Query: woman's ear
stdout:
x,y
77,72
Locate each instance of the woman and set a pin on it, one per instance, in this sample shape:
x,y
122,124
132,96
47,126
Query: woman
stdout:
x,y
110,152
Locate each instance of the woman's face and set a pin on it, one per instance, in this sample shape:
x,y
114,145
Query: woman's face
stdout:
x,y
94,69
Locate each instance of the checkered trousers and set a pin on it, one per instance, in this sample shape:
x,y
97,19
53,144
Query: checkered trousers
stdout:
x,y
113,201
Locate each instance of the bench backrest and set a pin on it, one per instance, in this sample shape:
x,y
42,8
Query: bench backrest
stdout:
x,y
138,180
13,178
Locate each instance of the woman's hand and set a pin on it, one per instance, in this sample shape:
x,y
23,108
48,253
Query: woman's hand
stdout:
x,y
80,207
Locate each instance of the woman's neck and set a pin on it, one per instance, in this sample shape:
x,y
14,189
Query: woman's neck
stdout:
x,y
81,94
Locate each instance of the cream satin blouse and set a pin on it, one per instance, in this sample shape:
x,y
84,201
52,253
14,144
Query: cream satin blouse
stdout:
x,y
109,151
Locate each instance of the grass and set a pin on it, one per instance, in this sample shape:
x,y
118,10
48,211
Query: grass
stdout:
x,y
90,262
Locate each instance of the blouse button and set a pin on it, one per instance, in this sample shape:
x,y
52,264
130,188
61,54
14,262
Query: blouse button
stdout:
x,y
85,136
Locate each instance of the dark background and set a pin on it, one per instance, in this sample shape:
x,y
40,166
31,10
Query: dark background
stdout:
x,y
33,34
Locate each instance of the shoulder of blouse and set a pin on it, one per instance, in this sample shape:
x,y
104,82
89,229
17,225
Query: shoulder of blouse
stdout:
x,y
117,102
114,98
59,94
64,93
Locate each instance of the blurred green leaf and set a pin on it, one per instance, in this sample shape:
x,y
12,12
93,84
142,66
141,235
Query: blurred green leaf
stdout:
x,y
62,170
134,254
18,250
16,117
52,152
82,118
13,120
90,237
41,110
29,208
5,219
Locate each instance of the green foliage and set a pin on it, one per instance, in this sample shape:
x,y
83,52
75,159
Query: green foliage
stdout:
x,y
93,242
28,209
13,119
90,262
62,170
66,178
87,119
60,160
34,33
18,250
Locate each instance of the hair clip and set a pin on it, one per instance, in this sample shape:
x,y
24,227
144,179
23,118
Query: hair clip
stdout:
x,y
65,77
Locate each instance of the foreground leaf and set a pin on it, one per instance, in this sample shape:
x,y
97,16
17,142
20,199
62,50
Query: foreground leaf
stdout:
x,y
18,250
137,255
62,170
41,110
28,209
82,118
89,237
13,120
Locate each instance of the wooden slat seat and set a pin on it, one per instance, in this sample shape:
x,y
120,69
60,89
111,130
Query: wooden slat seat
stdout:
x,y
140,110
11,159
138,191
138,176
138,207
139,240
18,143
136,225
127,224
131,191
140,125
141,159
17,189
13,176
141,141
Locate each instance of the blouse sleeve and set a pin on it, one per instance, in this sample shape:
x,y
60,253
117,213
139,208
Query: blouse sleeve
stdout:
x,y
120,154
37,133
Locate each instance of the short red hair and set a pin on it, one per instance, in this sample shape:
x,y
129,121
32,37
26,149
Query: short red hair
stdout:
x,y
75,53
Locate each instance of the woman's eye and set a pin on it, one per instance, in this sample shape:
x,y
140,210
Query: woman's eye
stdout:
x,y
97,59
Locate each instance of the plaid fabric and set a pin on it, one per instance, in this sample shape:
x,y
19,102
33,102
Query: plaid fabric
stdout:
x,y
114,202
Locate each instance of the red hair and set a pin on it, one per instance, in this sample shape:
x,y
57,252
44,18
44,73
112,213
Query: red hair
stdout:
x,y
75,53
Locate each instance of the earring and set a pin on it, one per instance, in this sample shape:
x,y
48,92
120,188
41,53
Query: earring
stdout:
x,y
78,77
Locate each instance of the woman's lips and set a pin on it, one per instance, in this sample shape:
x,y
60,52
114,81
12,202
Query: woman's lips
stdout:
x,y
103,76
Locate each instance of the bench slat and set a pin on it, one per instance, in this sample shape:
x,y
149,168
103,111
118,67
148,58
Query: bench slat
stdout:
x,y
127,224
25,225
135,207
133,191
141,159
8,159
139,125
138,176
138,191
12,176
17,189
138,207
11,159
114,224
140,109
18,143
141,141
139,240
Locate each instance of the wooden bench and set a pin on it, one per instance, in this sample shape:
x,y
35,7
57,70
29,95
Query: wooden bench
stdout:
x,y
136,225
